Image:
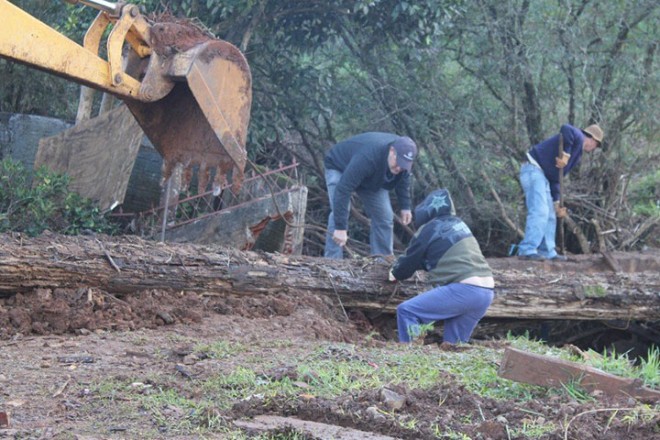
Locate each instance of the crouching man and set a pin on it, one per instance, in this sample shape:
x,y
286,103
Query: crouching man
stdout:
x,y
445,247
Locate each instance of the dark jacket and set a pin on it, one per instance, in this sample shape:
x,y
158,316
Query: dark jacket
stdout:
x,y
546,152
362,159
443,246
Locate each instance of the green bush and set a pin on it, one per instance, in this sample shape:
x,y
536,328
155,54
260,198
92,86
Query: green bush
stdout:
x,y
645,195
47,203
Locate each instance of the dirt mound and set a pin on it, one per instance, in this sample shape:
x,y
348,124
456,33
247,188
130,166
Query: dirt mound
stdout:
x,y
82,311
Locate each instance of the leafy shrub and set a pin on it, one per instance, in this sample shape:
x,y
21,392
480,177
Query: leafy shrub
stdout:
x,y
47,203
645,195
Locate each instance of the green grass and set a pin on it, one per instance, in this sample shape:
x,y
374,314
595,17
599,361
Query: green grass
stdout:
x,y
595,291
419,331
650,368
524,342
218,350
237,372
621,365
576,392
287,434
533,428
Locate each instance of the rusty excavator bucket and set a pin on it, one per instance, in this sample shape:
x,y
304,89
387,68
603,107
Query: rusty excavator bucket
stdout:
x,y
191,93
203,120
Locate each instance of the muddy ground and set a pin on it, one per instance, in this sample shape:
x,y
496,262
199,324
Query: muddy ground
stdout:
x,y
56,345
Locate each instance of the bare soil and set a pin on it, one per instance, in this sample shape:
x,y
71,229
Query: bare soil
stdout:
x,y
55,345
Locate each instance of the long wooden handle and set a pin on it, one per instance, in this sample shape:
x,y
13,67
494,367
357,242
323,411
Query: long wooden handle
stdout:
x,y
562,248
561,171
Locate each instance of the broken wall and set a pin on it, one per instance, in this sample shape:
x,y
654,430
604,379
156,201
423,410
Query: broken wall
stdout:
x,y
19,140
20,135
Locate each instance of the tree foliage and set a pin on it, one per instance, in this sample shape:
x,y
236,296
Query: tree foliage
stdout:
x,y
45,203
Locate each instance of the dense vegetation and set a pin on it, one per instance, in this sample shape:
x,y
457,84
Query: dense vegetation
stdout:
x,y
33,204
474,83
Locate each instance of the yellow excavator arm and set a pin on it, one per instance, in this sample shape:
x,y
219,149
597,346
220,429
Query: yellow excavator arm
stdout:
x,y
190,93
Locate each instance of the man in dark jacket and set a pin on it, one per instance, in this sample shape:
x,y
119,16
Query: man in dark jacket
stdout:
x,y
539,177
444,247
369,164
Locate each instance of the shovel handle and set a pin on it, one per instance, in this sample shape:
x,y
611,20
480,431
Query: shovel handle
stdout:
x,y
561,197
561,172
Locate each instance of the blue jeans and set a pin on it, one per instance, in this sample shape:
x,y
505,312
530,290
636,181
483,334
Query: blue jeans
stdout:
x,y
461,306
541,223
379,210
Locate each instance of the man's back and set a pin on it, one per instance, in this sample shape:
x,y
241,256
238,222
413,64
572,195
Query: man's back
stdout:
x,y
364,144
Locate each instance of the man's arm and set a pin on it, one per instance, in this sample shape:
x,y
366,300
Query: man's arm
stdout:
x,y
572,139
413,259
354,174
402,191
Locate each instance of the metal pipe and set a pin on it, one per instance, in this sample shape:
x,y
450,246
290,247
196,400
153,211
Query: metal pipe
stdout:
x,y
101,5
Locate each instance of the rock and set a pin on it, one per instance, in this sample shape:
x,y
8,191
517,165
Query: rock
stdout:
x,y
392,400
374,413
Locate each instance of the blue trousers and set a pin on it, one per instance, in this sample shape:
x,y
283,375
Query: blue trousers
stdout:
x,y
378,208
461,306
541,223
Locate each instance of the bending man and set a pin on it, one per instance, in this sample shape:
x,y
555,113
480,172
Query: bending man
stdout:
x,y
445,247
369,164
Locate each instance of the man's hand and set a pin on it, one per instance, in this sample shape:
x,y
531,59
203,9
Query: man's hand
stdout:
x,y
390,277
340,237
406,216
560,211
561,162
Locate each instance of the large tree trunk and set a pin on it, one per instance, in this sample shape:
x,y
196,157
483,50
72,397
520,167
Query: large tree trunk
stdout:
x,y
586,288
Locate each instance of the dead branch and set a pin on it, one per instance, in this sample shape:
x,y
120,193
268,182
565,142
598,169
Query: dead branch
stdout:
x,y
575,229
519,232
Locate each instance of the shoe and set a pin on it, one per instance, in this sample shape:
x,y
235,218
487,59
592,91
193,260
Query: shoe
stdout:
x,y
559,258
532,257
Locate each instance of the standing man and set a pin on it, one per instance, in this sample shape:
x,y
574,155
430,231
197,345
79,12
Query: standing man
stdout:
x,y
445,247
539,177
370,164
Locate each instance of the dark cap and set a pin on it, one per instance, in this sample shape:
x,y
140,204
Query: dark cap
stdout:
x,y
406,151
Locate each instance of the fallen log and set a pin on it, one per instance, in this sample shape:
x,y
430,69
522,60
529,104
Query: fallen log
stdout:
x,y
585,288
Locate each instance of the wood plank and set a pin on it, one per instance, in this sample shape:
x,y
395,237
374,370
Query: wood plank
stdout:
x,y
321,431
4,419
98,155
535,369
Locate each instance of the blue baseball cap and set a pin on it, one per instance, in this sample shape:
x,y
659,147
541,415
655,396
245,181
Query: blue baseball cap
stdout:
x,y
406,151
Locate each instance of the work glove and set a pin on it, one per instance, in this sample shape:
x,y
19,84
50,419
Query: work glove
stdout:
x,y
561,162
560,211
